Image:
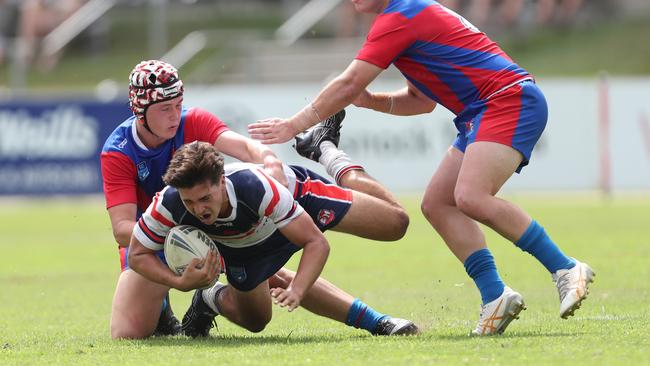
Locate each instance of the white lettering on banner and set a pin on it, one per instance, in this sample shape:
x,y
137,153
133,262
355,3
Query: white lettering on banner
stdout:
x,y
49,178
388,142
64,132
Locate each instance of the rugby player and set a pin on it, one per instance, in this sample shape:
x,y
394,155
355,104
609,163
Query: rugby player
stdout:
x,y
257,225
500,115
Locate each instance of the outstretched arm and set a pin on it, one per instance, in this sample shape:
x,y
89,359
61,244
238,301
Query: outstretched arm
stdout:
x,y
244,149
303,232
338,94
407,101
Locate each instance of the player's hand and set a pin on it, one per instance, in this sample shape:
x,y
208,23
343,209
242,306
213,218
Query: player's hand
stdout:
x,y
272,131
364,99
200,272
286,298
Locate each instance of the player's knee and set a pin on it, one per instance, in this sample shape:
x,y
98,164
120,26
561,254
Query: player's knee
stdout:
x,y
400,225
469,203
430,209
257,324
121,332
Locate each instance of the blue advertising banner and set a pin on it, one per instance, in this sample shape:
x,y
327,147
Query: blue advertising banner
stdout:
x,y
52,147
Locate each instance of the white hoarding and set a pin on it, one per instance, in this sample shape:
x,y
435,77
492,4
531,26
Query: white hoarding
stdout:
x,y
402,152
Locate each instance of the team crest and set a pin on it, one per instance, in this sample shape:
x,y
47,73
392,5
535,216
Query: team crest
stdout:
x,y
325,217
237,273
143,171
469,127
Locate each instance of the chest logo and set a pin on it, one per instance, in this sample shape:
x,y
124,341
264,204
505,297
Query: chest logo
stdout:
x,y
143,171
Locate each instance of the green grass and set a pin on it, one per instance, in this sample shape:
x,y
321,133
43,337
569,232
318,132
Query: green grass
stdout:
x,y
618,47
59,266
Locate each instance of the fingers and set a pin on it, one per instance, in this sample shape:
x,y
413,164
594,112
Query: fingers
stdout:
x,y
212,264
261,128
268,131
285,298
196,263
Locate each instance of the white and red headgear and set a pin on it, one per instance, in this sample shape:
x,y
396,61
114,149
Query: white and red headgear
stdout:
x,y
152,82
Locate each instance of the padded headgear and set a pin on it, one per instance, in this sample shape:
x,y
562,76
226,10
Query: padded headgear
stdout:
x,y
152,82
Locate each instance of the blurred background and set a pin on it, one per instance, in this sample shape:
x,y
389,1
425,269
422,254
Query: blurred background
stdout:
x,y
64,67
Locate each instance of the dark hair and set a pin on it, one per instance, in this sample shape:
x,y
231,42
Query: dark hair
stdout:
x,y
194,163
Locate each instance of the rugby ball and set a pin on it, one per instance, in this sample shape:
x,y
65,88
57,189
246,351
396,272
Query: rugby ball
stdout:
x,y
184,243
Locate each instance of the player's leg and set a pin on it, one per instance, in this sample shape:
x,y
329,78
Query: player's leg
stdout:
x,y
461,234
466,240
327,300
320,144
487,165
136,306
248,309
371,218
129,286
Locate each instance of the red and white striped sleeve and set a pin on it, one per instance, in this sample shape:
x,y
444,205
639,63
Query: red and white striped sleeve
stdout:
x,y
278,203
154,224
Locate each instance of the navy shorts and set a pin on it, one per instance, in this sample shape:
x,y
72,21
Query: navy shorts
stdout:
x,y
324,201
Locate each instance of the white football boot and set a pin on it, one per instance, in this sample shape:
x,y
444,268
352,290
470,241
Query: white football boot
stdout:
x,y
497,314
573,287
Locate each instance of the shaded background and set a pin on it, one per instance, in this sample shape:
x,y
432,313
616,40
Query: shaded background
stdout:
x,y
64,67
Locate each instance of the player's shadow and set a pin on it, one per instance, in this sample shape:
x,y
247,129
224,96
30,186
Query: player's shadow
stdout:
x,y
236,341
510,335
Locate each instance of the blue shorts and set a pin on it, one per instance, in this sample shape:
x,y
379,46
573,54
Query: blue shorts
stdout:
x,y
514,117
124,257
324,201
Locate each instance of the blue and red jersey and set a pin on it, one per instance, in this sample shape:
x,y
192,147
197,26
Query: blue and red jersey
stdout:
x,y
132,173
441,53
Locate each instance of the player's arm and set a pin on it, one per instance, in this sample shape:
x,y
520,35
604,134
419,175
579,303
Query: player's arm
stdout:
x,y
248,150
407,101
199,273
122,220
338,94
302,232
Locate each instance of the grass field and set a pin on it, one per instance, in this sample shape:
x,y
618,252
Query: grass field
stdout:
x,y
59,266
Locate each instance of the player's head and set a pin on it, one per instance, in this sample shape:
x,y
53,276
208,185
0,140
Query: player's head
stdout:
x,y
196,171
153,82
369,6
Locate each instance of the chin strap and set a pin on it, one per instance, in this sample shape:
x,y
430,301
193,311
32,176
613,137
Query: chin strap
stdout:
x,y
146,125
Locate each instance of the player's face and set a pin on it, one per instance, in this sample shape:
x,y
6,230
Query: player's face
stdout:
x,y
164,118
205,200
369,6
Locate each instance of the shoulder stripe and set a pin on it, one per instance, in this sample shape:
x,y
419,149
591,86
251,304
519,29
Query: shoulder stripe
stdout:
x,y
157,215
150,234
276,195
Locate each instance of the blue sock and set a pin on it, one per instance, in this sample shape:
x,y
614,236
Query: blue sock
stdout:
x,y
363,316
536,242
481,268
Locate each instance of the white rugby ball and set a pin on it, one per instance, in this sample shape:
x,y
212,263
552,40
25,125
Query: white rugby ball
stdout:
x,y
184,243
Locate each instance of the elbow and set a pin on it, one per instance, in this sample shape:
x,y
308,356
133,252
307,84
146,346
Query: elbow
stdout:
x,y
430,107
134,261
349,87
324,247
121,240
